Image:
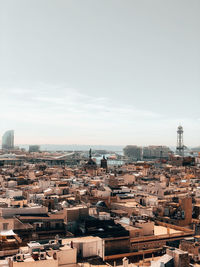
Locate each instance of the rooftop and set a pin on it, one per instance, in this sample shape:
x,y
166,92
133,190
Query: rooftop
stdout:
x,y
83,239
161,230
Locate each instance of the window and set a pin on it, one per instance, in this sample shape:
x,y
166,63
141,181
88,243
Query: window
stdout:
x,y
5,226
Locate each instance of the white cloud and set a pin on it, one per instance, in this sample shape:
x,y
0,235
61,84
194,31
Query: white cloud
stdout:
x,y
59,114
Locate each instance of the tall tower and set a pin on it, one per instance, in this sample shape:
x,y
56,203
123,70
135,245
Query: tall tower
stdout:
x,y
8,140
180,146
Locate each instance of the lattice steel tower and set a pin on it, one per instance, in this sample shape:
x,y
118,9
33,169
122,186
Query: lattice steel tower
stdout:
x,y
180,146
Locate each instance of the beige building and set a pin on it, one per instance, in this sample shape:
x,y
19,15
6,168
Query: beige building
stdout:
x,y
87,246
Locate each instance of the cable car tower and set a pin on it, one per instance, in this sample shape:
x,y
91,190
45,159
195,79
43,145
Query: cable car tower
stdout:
x,y
180,146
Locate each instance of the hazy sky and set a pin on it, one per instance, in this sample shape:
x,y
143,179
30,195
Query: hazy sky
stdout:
x,y
100,71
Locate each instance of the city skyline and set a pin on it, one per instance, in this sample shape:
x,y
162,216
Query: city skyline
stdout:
x,y
99,72
95,145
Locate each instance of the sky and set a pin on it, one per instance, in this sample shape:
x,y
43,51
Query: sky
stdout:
x,y
100,72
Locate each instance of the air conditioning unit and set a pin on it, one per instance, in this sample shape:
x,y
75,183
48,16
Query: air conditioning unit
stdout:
x,y
52,242
19,257
43,255
196,258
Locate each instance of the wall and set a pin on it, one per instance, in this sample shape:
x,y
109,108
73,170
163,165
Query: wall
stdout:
x,y
147,245
43,263
67,256
129,179
75,213
4,263
117,246
181,258
9,221
190,247
92,248
103,194
147,227
186,205
44,184
14,211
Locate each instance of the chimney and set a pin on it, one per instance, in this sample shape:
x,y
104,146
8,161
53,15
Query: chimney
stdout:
x,y
125,262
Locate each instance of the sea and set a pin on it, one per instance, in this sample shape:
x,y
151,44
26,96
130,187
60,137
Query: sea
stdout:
x,y
53,148
110,149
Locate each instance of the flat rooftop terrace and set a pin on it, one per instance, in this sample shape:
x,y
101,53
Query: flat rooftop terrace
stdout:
x,y
161,230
